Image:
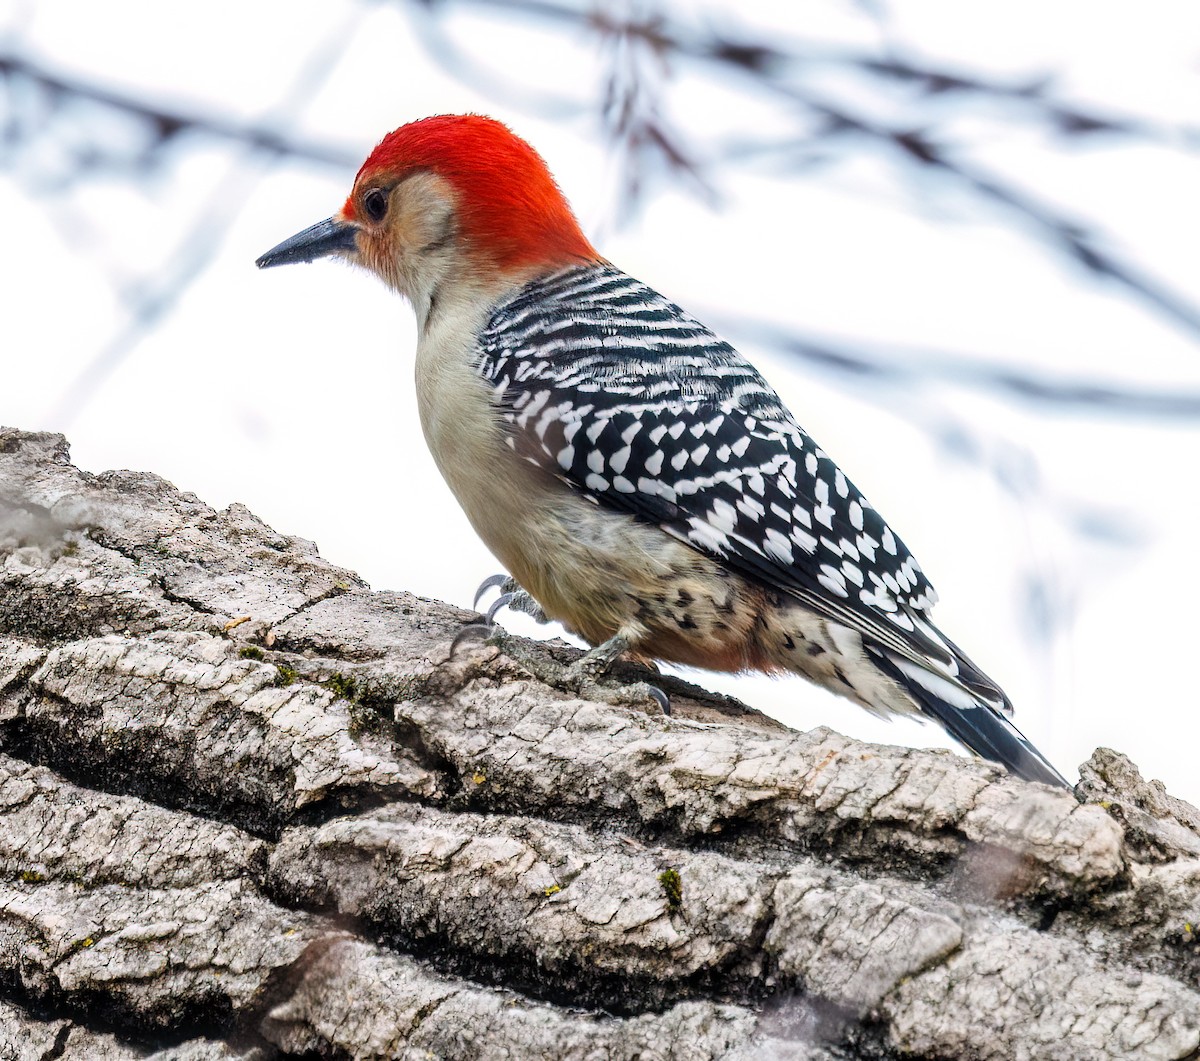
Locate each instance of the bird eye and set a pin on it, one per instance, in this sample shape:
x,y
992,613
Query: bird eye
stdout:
x,y
375,202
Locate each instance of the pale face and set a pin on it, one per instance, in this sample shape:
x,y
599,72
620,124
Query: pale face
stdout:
x,y
409,234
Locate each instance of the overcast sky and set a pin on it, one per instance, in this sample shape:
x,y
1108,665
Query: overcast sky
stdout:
x,y
291,390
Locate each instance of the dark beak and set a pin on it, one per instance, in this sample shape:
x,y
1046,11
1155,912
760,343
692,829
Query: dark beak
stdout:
x,y
327,237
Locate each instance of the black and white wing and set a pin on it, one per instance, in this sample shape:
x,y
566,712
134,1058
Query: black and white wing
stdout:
x,y
616,390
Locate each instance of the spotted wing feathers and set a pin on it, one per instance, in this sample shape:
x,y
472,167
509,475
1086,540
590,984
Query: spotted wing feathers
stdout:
x,y
609,385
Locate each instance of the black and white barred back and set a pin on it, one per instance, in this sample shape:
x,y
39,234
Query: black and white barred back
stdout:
x,y
640,407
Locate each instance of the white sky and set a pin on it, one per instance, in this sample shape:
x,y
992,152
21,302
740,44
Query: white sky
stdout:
x,y
291,390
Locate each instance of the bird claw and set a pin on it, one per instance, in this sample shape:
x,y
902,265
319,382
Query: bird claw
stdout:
x,y
599,660
503,601
586,671
491,582
471,632
522,601
661,698
633,695
512,596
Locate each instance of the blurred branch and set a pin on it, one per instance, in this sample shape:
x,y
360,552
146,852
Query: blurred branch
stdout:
x,y
1079,242
487,80
162,288
633,109
165,123
770,63
899,368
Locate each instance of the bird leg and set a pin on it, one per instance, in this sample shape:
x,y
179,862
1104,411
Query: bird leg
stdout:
x,y
522,601
599,660
586,671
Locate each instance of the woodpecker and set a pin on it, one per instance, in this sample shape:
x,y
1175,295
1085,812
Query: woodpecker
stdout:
x,y
637,477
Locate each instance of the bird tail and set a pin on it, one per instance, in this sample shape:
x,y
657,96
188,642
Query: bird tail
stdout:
x,y
973,712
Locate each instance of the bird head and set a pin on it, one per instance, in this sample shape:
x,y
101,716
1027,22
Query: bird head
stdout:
x,y
447,202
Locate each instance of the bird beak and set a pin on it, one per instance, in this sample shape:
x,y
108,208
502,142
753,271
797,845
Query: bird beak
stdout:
x,y
325,238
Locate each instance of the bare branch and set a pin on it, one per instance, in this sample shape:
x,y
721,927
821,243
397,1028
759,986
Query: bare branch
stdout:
x,y
900,368
168,123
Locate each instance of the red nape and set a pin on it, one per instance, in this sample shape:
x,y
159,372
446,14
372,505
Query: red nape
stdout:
x,y
510,208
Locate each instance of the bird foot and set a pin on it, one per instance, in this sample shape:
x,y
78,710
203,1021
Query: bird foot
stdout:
x,y
512,596
633,695
585,674
583,677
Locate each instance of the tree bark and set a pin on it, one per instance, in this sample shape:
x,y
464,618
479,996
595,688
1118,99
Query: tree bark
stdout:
x,y
251,808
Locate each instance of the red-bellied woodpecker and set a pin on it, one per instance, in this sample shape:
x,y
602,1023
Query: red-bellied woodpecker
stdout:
x,y
637,476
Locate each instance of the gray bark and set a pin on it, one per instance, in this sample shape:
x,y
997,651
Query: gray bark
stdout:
x,y
251,808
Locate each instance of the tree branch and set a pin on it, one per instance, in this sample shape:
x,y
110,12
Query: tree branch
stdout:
x,y
244,798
